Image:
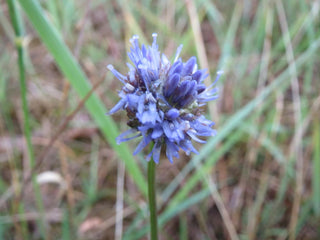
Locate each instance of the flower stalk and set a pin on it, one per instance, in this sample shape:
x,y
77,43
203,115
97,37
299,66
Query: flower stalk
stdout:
x,y
152,200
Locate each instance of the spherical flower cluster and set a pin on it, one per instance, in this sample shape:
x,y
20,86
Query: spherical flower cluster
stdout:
x,y
163,100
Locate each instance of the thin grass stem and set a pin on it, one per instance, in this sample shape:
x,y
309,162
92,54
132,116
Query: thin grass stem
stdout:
x,y
16,23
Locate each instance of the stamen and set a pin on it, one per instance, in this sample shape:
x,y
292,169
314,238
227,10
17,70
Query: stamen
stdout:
x,y
129,87
116,73
219,73
154,35
134,40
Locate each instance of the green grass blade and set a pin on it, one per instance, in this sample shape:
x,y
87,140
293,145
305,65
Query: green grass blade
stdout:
x,y
316,168
72,71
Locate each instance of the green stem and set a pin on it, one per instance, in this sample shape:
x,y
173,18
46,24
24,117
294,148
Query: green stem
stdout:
x,y
152,199
16,23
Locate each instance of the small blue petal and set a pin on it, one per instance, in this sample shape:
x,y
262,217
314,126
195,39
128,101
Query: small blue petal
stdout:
x,y
156,152
167,129
188,147
171,84
200,75
133,101
121,138
188,66
191,88
172,114
201,88
157,133
144,142
194,137
184,87
176,68
172,150
141,104
197,76
118,106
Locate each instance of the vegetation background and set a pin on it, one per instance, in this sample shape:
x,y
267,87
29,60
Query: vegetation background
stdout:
x,y
64,177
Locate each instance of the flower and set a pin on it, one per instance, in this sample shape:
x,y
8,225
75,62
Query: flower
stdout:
x,y
163,101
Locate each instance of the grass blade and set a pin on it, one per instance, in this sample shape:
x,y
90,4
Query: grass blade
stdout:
x,y
316,168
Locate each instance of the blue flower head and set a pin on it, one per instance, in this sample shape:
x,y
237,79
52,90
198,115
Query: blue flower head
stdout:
x,y
163,101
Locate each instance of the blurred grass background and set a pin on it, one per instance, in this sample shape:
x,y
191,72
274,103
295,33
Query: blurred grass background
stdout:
x,y
64,177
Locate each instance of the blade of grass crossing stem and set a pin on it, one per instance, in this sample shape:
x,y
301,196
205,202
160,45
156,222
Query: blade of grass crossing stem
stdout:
x,y
278,84
316,167
16,22
72,71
